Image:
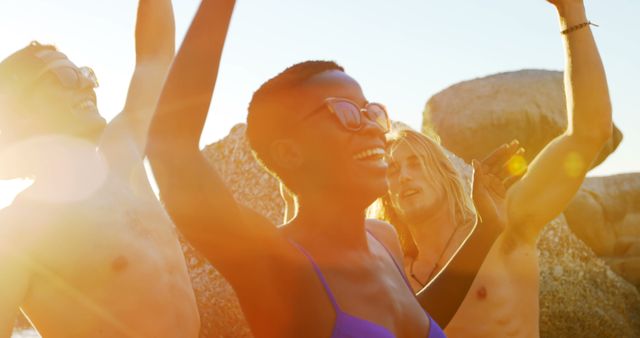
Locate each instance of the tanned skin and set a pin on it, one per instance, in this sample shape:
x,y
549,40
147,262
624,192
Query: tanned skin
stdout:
x,y
503,300
87,250
278,289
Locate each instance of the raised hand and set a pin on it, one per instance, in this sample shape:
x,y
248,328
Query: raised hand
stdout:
x,y
572,12
565,2
489,194
155,46
506,163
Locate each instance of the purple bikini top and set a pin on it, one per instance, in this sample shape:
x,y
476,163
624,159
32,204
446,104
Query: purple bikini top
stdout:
x,y
348,326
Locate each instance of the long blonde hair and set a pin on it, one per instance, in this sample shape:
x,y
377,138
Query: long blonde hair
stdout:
x,y
438,167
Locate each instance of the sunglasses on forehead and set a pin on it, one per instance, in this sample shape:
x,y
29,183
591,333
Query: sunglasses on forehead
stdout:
x,y
353,117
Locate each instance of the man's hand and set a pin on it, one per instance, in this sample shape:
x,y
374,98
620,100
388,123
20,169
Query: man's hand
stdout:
x,y
572,12
155,48
506,163
565,2
491,179
489,193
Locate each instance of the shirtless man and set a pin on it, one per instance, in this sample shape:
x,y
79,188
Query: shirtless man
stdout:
x,y
503,301
329,272
87,250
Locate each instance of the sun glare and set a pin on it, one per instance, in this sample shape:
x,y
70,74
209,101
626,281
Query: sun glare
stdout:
x,y
574,165
517,165
10,189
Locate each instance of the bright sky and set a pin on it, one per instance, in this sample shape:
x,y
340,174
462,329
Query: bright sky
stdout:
x,y
401,52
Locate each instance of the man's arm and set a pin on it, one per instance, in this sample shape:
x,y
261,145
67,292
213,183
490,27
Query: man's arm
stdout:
x,y
155,48
559,169
14,283
204,210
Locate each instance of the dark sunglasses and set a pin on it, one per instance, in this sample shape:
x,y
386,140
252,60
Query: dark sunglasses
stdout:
x,y
68,75
74,77
353,117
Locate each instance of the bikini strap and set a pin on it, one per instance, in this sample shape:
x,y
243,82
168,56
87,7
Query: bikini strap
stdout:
x,y
319,274
404,276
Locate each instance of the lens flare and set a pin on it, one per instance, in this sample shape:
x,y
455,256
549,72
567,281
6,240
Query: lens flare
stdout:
x,y
574,165
517,165
65,169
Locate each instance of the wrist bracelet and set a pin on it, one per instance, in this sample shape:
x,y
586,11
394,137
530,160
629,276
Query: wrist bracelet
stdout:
x,y
577,27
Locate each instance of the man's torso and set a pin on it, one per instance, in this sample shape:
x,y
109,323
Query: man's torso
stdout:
x,y
503,299
108,265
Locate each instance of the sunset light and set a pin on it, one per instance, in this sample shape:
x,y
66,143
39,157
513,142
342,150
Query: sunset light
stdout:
x,y
319,169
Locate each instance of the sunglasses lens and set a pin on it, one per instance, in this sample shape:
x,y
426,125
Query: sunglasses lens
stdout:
x,y
347,113
67,76
377,113
90,75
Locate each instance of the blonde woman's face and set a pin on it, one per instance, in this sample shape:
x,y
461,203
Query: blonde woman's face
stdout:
x,y
414,193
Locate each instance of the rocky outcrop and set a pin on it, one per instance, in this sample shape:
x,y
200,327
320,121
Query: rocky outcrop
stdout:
x,y
605,214
580,296
250,184
220,313
528,105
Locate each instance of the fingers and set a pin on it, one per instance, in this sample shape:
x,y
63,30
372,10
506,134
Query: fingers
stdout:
x,y
515,165
496,185
508,182
482,179
501,154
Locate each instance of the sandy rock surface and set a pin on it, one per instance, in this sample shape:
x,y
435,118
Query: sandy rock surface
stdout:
x,y
605,214
580,296
528,105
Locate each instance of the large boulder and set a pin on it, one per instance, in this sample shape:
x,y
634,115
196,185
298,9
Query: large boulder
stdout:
x,y
606,215
474,117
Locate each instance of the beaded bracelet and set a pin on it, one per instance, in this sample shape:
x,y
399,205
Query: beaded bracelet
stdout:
x,y
578,26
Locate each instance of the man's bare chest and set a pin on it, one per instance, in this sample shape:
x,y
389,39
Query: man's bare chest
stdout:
x,y
107,234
